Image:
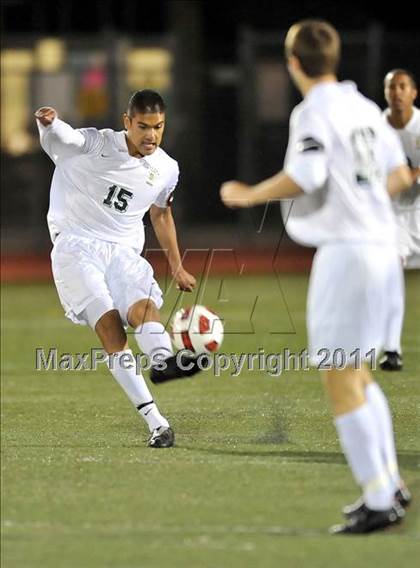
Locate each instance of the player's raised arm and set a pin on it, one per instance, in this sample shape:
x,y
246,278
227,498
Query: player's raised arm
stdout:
x,y
58,139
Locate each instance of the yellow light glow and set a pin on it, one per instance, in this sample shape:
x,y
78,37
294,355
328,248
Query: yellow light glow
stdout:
x,y
149,67
16,65
50,55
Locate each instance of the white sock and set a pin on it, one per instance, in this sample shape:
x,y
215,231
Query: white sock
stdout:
x,y
357,431
153,340
135,388
395,325
379,407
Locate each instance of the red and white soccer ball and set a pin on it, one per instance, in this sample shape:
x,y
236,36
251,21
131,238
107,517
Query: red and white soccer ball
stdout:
x,y
197,329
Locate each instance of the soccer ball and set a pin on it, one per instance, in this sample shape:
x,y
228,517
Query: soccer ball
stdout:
x,y
197,329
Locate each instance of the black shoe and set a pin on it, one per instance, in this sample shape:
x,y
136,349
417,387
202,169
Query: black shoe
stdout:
x,y
161,437
186,367
391,361
402,498
354,509
368,521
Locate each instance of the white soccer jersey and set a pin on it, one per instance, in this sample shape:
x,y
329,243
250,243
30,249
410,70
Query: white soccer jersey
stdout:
x,y
340,153
407,203
98,190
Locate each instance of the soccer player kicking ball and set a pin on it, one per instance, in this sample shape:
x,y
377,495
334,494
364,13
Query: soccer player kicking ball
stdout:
x,y
404,117
341,160
103,184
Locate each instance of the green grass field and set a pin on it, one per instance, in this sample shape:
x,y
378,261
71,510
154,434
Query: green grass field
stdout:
x,y
256,477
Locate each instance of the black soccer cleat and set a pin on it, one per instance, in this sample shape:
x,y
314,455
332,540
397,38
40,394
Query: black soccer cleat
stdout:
x,y
354,509
161,437
368,521
178,367
391,361
402,498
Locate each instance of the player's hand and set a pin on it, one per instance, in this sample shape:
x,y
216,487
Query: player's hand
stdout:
x,y
185,281
235,194
46,115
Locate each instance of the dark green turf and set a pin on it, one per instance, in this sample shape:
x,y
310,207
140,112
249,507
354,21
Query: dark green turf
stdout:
x,y
257,475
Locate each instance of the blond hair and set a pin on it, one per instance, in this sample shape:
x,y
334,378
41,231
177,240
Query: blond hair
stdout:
x,y
316,44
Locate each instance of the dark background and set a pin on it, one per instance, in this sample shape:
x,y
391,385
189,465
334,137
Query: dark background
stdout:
x,y
214,128
219,21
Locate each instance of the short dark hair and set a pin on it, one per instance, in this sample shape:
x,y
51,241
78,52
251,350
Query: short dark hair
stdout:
x,y
145,102
317,46
400,71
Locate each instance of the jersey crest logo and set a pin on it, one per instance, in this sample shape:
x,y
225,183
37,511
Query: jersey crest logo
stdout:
x,y
152,175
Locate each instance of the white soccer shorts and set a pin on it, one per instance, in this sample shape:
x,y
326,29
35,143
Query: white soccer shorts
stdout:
x,y
92,272
352,292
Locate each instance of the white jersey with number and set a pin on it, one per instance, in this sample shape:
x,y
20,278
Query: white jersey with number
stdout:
x,y
100,191
407,204
340,152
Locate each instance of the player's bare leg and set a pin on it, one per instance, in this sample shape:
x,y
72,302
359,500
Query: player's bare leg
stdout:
x,y
359,425
150,334
121,363
111,332
154,341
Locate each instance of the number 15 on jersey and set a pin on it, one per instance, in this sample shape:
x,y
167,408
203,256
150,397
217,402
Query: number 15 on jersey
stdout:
x,y
117,198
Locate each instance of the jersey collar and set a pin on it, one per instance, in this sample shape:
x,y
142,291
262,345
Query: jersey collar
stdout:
x,y
122,145
319,89
121,141
416,112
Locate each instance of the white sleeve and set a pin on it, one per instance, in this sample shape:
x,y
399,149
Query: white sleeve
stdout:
x,y
306,158
394,155
60,141
164,199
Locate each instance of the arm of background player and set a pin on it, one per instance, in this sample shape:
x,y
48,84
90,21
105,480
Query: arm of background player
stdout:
x,y
280,186
399,180
165,230
415,175
58,139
